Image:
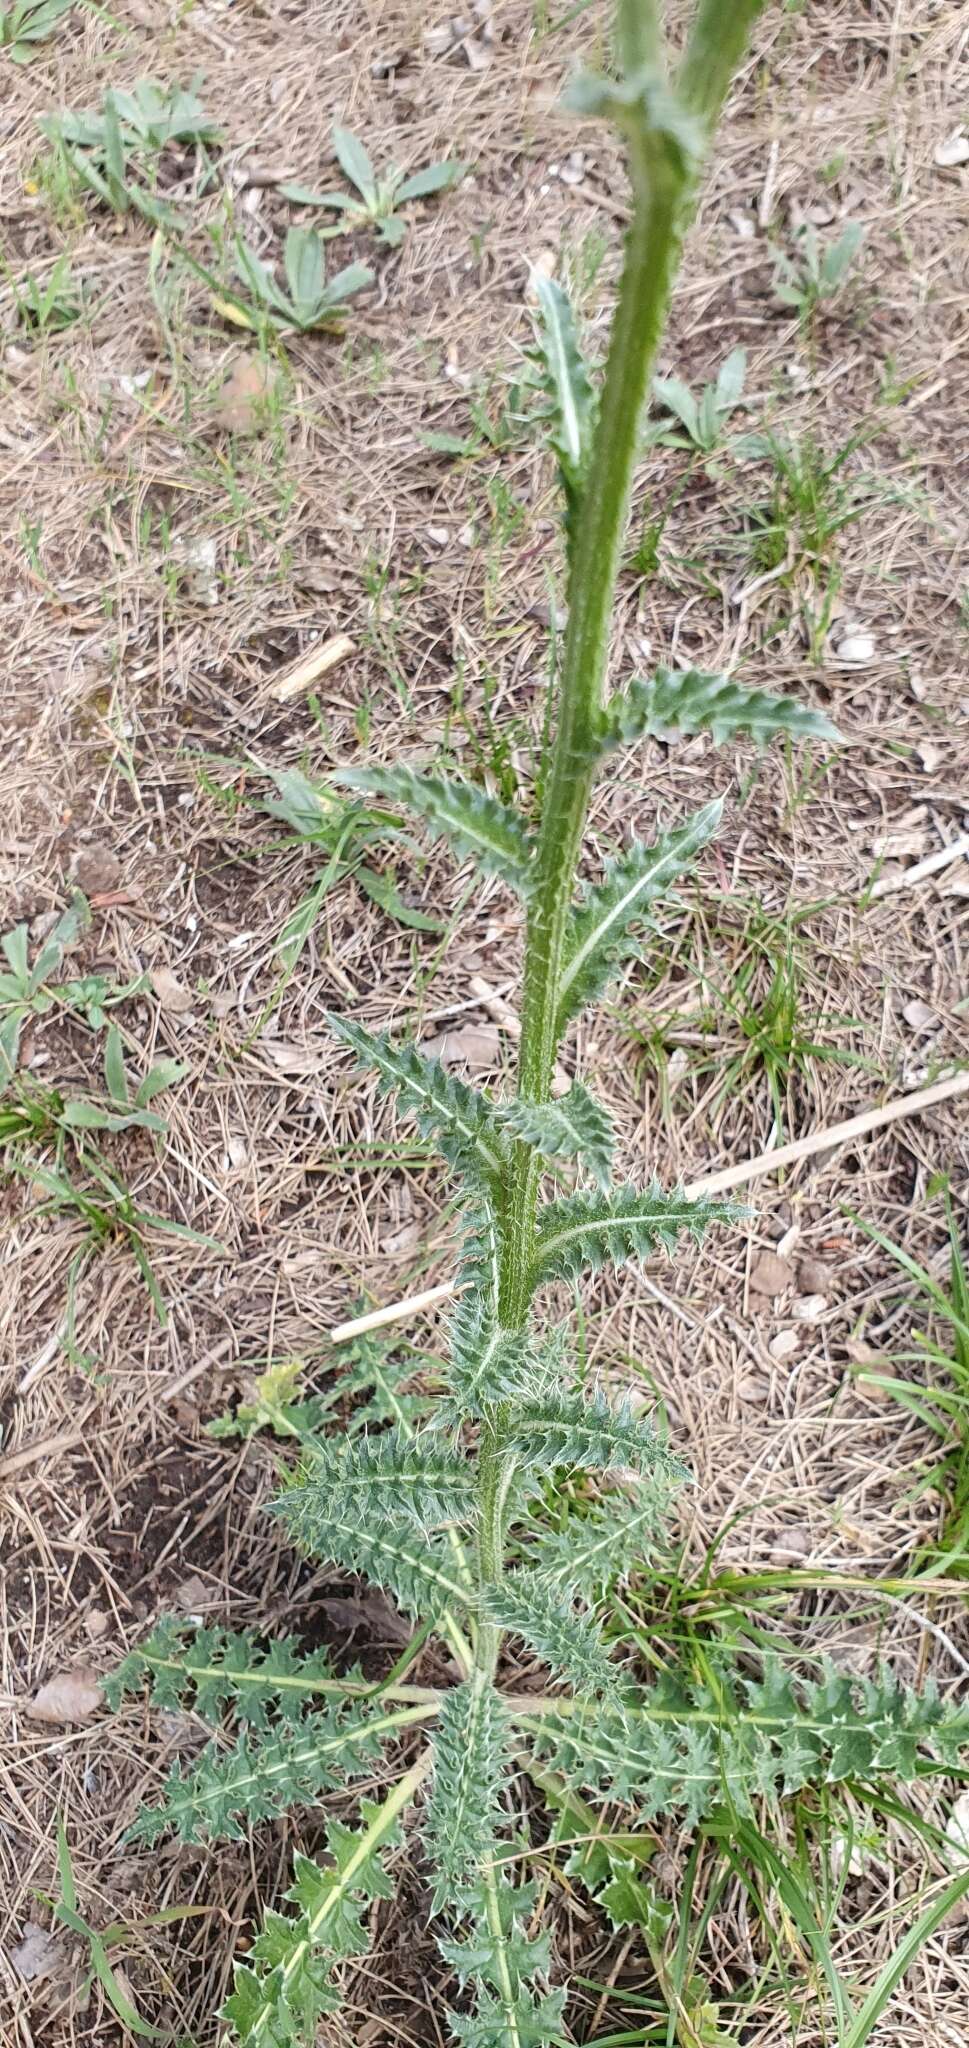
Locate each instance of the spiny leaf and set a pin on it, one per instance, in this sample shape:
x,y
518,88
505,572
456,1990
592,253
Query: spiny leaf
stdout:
x,y
598,934
586,1230
575,1125
570,390
523,2020
590,1553
278,2002
691,700
257,1779
475,824
569,1643
498,1949
373,1366
486,1361
688,1745
503,1961
479,1266
464,1808
394,1475
564,1429
216,1668
419,1570
456,1116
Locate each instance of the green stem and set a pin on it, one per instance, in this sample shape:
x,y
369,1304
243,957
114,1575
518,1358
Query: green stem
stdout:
x,y
664,161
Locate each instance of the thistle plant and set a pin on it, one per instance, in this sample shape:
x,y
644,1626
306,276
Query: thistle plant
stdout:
x,y
443,1509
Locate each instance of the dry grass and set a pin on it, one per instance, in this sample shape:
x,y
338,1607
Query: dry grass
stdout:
x,y
125,686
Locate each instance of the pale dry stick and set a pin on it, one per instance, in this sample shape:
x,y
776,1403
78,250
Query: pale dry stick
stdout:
x,y
49,1447
711,1184
922,869
833,1134
317,662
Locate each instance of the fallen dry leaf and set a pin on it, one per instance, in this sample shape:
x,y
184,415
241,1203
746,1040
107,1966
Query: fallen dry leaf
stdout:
x,y
290,1057
236,410
870,1360
71,1696
814,1277
855,649
808,1307
96,868
172,993
36,1955
402,1242
476,1045
770,1275
194,1598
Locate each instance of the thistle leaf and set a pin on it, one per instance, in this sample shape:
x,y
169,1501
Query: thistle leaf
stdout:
x,y
486,1361
464,1809
569,388
593,1552
475,824
569,1643
573,1126
586,1230
499,1956
278,2002
479,1266
419,1570
598,934
563,1429
396,1476
258,1779
687,1746
693,701
459,1119
374,1368
519,2021
216,1669
498,1950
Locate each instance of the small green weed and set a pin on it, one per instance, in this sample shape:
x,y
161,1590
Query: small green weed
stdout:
x,y
27,23
101,1943
29,989
701,421
344,830
48,308
39,1122
778,1042
95,1197
816,271
114,154
378,194
813,497
499,417
310,299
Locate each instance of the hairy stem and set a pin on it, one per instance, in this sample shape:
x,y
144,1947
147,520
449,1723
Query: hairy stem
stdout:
x,y
664,162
